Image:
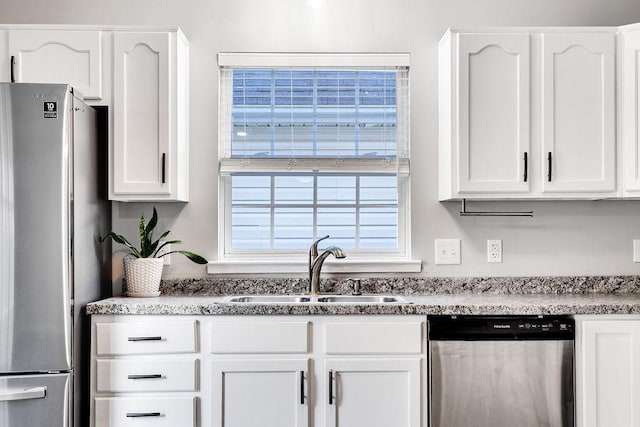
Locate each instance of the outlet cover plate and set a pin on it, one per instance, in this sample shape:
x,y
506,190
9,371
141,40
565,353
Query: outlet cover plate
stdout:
x,y
494,250
447,251
636,250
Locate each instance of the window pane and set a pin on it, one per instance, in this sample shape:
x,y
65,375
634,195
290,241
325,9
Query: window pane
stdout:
x,y
251,190
336,189
340,224
293,190
250,228
293,228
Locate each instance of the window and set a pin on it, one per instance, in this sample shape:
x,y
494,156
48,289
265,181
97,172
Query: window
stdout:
x,y
314,145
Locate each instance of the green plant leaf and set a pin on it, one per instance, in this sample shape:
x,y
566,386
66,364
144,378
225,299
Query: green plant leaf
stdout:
x,y
123,241
152,223
192,257
168,242
143,237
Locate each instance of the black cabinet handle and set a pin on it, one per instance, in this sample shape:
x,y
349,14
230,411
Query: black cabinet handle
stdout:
x,y
144,339
526,166
330,387
164,158
302,387
142,414
144,376
13,63
550,165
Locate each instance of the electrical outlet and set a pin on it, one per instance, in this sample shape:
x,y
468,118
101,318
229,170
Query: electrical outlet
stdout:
x,y
636,250
494,250
447,251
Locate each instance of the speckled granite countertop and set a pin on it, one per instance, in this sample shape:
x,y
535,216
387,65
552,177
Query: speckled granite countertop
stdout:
x,y
546,295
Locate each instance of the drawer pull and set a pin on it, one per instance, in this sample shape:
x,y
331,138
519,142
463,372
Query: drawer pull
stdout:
x,y
144,339
13,66
142,414
302,387
144,377
331,387
164,161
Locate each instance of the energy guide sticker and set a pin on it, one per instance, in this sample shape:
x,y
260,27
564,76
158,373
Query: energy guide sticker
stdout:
x,y
50,110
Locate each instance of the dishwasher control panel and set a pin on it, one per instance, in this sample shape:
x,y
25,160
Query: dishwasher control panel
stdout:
x,y
501,328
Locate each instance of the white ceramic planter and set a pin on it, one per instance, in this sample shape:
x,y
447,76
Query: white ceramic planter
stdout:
x,y
143,276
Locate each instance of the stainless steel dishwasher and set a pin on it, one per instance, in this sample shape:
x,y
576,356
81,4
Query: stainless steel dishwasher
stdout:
x,y
501,371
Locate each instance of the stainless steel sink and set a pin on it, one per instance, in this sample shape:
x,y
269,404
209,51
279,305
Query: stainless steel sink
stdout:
x,y
365,299
267,299
327,299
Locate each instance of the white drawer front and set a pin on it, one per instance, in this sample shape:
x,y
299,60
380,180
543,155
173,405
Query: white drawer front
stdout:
x,y
156,412
374,338
146,337
146,375
260,337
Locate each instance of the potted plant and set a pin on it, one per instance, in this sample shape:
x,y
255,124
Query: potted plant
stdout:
x,y
143,265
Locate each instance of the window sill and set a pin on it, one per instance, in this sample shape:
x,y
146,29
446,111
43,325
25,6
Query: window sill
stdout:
x,y
289,267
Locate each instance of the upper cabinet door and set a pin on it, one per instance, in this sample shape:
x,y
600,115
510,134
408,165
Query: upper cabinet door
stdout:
x,y
141,97
58,56
493,82
630,130
150,149
578,112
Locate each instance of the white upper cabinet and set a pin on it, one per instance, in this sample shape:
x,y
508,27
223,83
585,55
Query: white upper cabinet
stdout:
x,y
527,114
141,75
630,133
493,112
58,56
150,117
578,106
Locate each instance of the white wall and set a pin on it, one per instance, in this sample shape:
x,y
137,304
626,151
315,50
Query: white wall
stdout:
x,y
564,238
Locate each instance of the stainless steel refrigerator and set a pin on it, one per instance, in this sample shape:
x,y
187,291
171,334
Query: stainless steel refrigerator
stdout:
x,y
53,212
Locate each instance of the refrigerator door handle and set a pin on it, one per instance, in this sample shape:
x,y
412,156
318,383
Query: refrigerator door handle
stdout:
x,y
28,393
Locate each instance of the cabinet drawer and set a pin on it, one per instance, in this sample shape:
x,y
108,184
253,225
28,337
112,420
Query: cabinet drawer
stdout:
x,y
260,337
156,412
146,337
374,338
146,375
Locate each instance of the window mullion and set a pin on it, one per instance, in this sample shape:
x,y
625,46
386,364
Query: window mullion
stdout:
x,y
272,214
357,212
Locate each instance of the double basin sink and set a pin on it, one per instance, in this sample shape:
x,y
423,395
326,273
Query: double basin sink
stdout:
x,y
312,299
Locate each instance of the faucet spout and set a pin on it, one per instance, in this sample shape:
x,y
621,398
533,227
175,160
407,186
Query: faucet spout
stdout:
x,y
315,267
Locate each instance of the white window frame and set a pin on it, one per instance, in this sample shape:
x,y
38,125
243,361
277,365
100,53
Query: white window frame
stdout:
x,y
283,261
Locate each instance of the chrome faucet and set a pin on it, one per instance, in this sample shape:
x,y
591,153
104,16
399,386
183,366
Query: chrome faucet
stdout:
x,y
316,261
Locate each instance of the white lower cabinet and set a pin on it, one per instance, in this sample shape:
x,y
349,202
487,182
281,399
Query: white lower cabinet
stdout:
x,y
267,371
373,392
608,371
145,371
261,392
